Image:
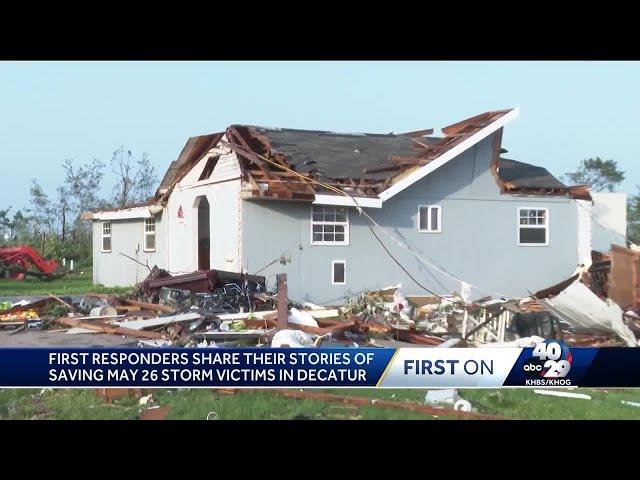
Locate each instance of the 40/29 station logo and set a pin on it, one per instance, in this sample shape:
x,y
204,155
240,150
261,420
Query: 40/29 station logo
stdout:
x,y
549,364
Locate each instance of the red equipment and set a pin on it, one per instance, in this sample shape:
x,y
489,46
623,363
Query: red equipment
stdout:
x,y
18,260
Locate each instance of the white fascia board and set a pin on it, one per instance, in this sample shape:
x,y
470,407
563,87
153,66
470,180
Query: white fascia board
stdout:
x,y
347,201
138,212
449,155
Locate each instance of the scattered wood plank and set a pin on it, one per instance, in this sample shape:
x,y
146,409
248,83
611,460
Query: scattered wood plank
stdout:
x,y
156,307
103,328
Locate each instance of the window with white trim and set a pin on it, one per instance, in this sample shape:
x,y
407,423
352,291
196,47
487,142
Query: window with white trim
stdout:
x,y
430,218
149,234
106,236
533,226
339,272
329,225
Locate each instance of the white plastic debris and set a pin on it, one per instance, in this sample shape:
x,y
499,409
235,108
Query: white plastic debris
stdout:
x,y
555,393
212,416
292,338
462,405
445,396
631,404
145,400
300,317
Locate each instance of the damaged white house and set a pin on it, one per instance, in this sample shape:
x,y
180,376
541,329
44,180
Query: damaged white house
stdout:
x,y
440,209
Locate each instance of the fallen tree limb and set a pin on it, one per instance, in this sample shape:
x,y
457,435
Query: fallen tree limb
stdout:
x,y
371,402
103,328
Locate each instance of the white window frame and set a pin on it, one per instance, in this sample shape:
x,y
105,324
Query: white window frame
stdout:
x,y
148,234
108,235
345,224
545,226
333,282
429,229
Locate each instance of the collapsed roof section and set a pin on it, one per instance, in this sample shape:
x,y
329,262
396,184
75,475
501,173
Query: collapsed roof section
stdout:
x,y
283,163
192,152
290,164
362,164
524,178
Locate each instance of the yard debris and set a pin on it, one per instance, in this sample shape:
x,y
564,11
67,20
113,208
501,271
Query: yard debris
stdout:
x,y
155,413
212,416
556,393
215,308
580,308
631,404
378,403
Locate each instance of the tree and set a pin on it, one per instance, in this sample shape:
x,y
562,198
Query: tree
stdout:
x,y
42,210
601,175
135,178
633,217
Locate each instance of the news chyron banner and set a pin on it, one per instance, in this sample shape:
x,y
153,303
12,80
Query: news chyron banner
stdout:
x,y
549,364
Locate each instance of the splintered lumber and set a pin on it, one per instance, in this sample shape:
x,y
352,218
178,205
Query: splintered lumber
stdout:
x,y
103,328
371,402
157,307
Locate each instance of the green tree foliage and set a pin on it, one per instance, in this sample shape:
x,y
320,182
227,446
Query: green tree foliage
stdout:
x,y
601,175
633,217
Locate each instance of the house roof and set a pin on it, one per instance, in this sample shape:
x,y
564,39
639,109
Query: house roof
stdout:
x,y
525,175
193,151
367,165
287,163
336,155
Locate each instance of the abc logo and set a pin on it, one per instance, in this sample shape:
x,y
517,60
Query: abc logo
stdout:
x,y
533,368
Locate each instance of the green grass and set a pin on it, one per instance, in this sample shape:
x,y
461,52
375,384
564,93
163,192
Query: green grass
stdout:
x,y
196,404
73,283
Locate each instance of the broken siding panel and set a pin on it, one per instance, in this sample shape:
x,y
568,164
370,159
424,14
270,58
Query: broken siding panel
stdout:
x,y
227,168
584,232
193,176
609,220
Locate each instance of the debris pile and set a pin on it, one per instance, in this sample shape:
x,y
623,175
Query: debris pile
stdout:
x,y
215,308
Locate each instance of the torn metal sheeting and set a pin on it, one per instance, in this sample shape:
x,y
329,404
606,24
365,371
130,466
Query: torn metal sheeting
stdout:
x,y
582,309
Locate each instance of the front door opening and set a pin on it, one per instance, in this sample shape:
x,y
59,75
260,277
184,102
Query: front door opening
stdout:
x,y
204,234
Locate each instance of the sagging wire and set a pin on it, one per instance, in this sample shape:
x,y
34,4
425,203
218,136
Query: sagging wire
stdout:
x,y
371,220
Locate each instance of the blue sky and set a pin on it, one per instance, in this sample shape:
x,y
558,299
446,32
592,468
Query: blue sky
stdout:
x,y
51,111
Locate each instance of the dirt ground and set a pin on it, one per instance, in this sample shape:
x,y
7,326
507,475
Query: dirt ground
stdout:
x,y
52,338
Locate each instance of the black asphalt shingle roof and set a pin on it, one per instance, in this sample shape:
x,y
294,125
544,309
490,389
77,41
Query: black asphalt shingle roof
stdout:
x,y
338,155
524,175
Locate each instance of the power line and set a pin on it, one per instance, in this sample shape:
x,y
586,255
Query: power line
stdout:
x,y
361,211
